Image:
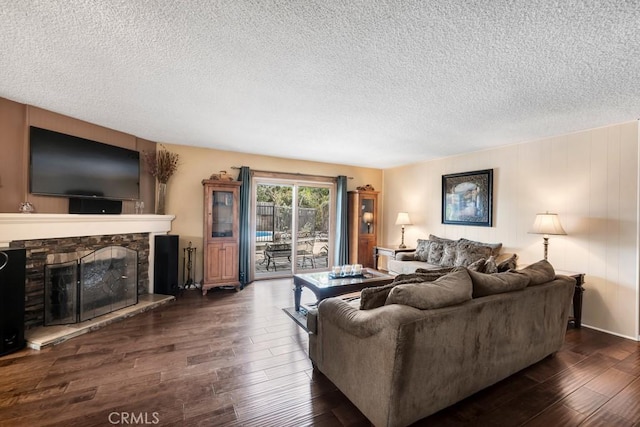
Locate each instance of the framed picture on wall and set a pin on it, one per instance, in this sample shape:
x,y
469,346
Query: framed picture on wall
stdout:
x,y
467,198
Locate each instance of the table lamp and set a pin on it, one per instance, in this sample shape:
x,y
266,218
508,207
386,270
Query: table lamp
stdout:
x,y
403,219
367,218
546,224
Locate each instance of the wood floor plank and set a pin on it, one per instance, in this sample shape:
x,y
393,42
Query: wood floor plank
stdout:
x,y
557,414
626,404
518,411
631,364
585,401
553,365
610,382
236,359
239,382
581,373
604,418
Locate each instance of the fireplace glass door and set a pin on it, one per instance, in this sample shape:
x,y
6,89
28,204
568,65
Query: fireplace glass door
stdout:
x,y
61,293
108,281
98,283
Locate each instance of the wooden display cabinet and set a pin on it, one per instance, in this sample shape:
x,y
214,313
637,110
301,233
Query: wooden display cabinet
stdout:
x,y
363,225
221,234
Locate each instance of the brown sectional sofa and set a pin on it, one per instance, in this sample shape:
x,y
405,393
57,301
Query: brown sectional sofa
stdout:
x,y
398,363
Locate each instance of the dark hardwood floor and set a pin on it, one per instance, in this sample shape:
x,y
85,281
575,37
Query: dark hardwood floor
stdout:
x,y
236,359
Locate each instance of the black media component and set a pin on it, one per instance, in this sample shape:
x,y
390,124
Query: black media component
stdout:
x,y
94,206
165,265
12,284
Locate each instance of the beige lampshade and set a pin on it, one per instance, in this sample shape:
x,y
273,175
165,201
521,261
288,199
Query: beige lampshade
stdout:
x,y
403,219
547,223
367,217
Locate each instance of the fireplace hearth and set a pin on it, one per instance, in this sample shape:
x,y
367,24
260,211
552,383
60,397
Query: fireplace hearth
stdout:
x,y
89,285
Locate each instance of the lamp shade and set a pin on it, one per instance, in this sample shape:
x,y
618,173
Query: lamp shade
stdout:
x,y
547,223
403,219
367,217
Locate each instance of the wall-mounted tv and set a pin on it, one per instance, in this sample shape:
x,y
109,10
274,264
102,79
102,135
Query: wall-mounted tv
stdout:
x,y
68,166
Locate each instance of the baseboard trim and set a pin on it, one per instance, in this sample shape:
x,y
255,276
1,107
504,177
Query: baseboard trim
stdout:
x,y
611,333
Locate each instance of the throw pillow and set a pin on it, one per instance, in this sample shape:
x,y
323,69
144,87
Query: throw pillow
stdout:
x,y
406,256
439,239
421,276
422,250
441,270
508,264
491,267
468,252
449,254
495,247
374,297
477,265
539,272
497,283
453,288
436,249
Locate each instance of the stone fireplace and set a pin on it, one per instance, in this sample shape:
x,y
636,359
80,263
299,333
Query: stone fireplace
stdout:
x,y
38,250
44,235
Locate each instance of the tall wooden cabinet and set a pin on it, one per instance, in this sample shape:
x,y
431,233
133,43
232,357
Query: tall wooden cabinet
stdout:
x,y
363,224
221,237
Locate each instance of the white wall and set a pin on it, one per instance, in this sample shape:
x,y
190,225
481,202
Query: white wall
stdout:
x,y
589,178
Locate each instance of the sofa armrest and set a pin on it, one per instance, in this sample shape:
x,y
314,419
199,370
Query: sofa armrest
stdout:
x,y
365,323
406,256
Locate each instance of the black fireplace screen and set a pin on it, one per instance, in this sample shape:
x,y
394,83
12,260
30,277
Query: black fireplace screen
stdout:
x,y
61,293
98,283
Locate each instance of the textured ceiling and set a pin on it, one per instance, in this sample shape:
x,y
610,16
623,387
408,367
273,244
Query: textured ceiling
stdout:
x,y
373,83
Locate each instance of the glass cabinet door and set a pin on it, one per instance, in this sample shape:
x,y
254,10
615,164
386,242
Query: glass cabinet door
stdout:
x,y
222,214
367,216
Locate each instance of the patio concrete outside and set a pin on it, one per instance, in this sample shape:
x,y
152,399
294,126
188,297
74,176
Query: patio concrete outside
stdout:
x,y
315,259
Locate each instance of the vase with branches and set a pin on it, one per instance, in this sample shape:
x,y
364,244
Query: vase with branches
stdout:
x,y
161,164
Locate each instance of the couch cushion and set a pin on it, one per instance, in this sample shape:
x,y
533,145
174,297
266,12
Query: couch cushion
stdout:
x,y
406,256
421,275
439,239
496,283
490,266
495,247
451,289
539,272
449,254
508,264
477,265
436,249
468,252
422,250
434,269
377,295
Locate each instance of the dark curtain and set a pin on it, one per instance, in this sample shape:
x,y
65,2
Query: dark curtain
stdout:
x,y
342,238
245,238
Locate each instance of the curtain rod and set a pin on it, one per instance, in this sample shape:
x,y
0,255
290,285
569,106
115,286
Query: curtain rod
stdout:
x,y
289,173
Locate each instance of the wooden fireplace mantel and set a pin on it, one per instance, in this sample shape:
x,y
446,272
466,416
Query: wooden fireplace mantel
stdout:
x,y
18,226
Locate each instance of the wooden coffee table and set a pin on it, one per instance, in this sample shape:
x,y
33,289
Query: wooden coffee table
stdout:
x,y
324,287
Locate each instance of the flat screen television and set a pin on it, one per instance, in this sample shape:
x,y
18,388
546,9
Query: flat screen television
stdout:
x,y
68,166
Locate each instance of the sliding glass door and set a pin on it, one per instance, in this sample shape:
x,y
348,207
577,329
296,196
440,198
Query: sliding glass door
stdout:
x,y
292,226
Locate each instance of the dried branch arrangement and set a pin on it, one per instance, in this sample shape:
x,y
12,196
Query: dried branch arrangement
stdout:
x,y
162,164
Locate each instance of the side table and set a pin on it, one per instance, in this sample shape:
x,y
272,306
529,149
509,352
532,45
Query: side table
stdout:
x,y
387,250
576,319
